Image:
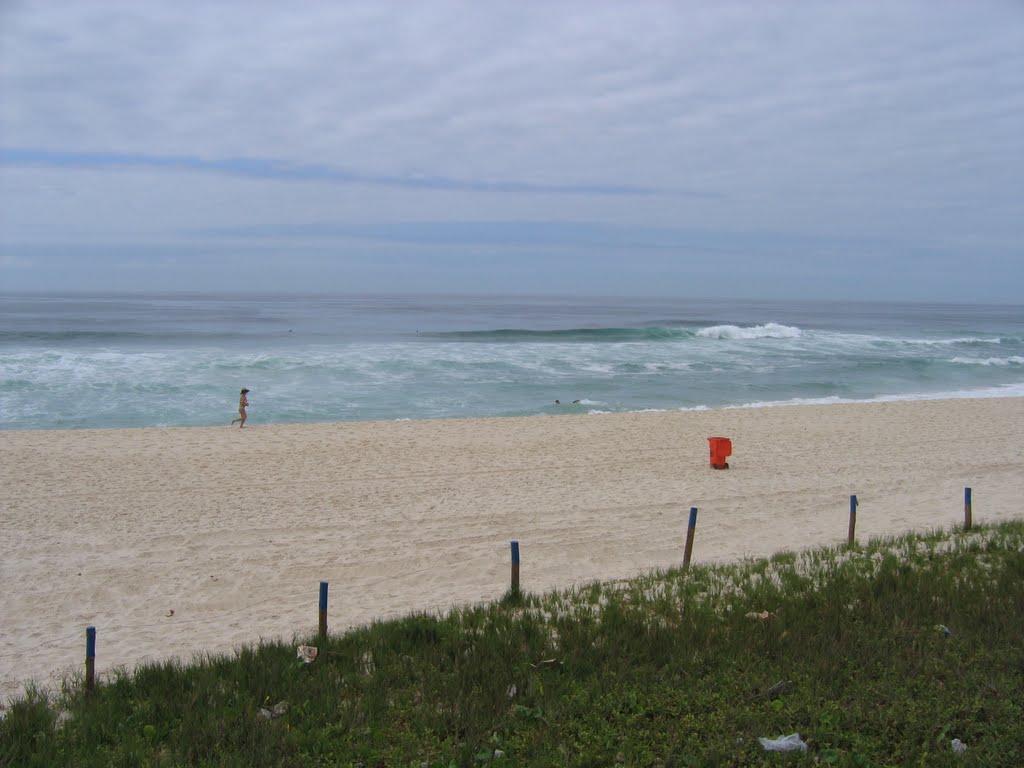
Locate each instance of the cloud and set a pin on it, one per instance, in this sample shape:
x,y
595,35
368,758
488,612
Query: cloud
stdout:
x,y
8,261
822,128
456,89
266,169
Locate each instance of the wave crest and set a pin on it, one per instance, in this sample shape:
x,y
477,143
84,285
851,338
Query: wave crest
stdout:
x,y
594,335
997,361
766,331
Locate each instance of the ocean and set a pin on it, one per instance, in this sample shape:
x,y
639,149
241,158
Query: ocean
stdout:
x,y
85,361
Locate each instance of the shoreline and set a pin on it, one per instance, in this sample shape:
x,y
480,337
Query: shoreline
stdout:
x,y
991,393
232,530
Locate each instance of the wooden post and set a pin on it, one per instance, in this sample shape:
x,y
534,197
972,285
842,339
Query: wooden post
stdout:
x,y
90,658
968,513
690,528
515,566
853,520
323,610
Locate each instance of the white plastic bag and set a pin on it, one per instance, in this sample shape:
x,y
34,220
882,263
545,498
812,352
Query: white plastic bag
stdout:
x,y
790,743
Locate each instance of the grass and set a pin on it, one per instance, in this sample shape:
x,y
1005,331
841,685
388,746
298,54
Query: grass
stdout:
x,y
878,655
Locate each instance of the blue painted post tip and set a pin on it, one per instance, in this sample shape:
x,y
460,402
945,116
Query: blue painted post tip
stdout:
x,y
323,595
691,530
515,551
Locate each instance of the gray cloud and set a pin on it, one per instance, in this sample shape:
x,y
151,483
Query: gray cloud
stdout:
x,y
895,123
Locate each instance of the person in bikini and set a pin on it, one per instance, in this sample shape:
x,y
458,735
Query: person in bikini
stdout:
x,y
242,403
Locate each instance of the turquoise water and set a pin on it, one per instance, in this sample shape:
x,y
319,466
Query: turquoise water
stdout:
x,y
75,361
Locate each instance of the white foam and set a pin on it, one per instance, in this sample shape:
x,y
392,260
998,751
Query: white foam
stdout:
x,y
766,331
1008,390
952,342
997,361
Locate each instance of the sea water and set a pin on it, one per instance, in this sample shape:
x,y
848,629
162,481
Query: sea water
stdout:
x,y
80,361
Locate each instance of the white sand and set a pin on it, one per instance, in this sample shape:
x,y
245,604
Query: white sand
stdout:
x,y
234,530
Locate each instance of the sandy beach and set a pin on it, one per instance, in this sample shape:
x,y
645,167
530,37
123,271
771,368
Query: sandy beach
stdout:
x,y
178,541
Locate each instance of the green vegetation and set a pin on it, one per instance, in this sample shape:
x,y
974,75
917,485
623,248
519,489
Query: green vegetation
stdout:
x,y
879,655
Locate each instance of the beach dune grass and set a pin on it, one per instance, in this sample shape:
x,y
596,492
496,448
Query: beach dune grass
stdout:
x,y
880,654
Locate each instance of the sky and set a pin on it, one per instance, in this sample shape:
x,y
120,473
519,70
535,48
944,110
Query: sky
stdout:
x,y
851,149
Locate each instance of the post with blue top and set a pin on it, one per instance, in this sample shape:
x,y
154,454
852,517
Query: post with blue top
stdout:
x,y
853,520
90,658
968,513
515,566
323,610
690,529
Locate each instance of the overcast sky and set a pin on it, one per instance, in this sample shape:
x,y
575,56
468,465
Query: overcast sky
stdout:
x,y
852,148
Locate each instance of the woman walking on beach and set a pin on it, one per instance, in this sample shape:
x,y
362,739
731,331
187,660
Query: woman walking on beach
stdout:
x,y
242,403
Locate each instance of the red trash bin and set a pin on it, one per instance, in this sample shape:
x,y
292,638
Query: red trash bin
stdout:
x,y
721,449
